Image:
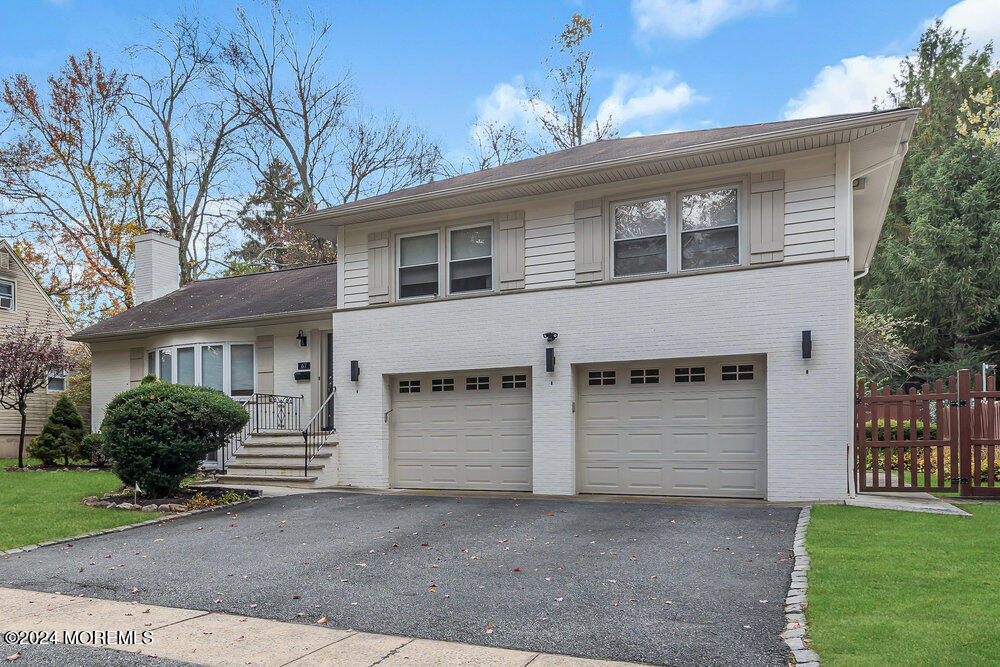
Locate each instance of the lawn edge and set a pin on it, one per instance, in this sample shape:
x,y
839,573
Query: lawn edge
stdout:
x,y
118,529
796,633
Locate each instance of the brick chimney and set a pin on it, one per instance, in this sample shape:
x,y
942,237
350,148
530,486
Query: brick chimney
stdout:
x,y
157,271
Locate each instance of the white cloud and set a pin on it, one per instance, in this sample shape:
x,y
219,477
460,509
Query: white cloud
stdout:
x,y
688,19
640,97
979,18
633,98
851,85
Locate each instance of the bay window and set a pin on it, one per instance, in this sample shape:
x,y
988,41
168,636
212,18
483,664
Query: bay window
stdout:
x,y
640,236
418,265
710,228
470,259
227,367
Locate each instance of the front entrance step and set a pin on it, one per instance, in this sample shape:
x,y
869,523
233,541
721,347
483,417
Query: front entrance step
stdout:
x,y
264,480
279,457
271,469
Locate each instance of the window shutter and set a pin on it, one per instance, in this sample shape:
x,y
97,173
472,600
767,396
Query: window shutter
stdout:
x,y
767,217
378,267
264,348
589,240
510,249
136,365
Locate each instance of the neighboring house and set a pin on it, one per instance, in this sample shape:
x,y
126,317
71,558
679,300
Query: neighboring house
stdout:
x,y
669,314
23,299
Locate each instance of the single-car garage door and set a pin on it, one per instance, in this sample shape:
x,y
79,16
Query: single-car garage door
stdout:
x,y
461,430
688,427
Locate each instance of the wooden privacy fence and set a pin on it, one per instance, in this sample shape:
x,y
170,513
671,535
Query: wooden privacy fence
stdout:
x,y
945,437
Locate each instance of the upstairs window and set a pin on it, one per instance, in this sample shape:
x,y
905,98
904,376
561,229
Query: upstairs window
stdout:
x,y
640,237
6,295
470,259
710,228
418,266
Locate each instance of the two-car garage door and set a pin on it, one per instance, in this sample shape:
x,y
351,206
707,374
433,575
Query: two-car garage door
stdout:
x,y
461,430
688,427
680,427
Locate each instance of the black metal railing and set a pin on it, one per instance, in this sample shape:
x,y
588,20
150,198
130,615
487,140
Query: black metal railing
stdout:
x,y
316,431
268,412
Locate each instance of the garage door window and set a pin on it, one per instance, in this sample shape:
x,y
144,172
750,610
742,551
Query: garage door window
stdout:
x,y
644,376
738,372
409,386
689,374
443,384
600,378
514,382
477,383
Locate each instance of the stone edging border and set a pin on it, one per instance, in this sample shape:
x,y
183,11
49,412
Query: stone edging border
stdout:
x,y
796,633
118,529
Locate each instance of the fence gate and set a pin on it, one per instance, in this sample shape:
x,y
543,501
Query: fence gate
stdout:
x,y
946,437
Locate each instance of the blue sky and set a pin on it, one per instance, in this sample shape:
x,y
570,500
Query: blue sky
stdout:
x,y
662,64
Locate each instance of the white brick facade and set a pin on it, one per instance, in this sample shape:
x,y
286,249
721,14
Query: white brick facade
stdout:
x,y
757,311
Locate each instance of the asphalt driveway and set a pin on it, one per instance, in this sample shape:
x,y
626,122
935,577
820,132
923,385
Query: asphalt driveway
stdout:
x,y
660,583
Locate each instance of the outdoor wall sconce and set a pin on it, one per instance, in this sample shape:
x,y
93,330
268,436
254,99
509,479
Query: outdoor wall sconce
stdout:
x,y
355,370
301,337
550,359
807,344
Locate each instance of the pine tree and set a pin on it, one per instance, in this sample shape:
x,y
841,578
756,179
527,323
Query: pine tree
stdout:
x,y
61,435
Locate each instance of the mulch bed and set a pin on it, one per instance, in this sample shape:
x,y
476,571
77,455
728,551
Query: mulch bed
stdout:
x,y
179,498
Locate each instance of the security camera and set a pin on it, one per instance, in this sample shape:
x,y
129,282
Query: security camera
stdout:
x,y
550,336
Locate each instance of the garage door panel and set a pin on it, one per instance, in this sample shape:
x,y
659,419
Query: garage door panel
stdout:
x,y
462,439
704,438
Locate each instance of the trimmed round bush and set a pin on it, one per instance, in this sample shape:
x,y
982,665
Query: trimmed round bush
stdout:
x,y
157,434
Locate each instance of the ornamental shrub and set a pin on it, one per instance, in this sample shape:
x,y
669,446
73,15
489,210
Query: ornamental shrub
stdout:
x,y
60,437
92,449
157,434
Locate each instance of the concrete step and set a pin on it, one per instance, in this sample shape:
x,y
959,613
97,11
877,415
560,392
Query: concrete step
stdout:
x,y
254,456
271,469
264,480
277,432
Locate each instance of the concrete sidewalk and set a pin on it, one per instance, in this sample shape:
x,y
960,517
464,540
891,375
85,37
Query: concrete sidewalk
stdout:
x,y
212,638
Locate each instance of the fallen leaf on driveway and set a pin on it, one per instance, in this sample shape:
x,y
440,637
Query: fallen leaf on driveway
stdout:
x,y
14,657
322,620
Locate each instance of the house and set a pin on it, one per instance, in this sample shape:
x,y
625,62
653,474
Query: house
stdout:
x,y
22,300
668,314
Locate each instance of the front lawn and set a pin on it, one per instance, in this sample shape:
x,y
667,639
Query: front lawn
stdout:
x,y
41,506
904,588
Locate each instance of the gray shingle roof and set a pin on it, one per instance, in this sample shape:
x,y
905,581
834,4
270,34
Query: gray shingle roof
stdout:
x,y
222,299
592,153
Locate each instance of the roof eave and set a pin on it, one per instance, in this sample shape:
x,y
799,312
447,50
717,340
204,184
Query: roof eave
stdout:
x,y
338,218
251,319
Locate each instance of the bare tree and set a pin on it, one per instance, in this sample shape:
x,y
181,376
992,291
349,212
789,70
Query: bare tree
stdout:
x,y
187,135
564,114
381,154
497,144
293,108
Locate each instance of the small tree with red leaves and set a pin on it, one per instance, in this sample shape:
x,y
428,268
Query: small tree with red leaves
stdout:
x,y
29,356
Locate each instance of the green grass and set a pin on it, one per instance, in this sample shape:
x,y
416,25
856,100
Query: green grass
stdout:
x,y
41,506
903,588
